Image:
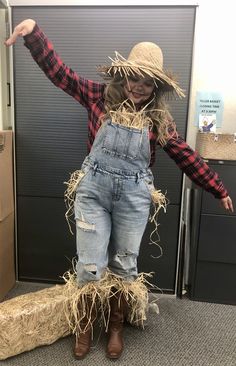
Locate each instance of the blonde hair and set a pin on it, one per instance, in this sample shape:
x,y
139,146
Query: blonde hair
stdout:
x,y
156,110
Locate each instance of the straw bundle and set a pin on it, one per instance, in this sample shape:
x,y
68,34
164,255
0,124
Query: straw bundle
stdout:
x,y
129,118
127,115
32,320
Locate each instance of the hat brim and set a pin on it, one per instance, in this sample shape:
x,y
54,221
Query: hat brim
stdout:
x,y
126,68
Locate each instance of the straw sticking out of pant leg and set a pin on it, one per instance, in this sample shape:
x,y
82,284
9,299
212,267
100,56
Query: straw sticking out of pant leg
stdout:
x,y
159,201
76,309
135,293
70,193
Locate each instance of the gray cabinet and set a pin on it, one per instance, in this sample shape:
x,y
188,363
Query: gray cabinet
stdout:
x,y
213,243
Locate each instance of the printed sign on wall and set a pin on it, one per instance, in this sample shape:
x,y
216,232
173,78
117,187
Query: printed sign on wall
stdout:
x,y
209,111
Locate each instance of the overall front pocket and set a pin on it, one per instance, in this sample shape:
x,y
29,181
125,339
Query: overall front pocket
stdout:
x,y
122,142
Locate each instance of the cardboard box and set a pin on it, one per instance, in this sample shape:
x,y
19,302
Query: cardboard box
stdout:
x,y
6,175
7,255
7,261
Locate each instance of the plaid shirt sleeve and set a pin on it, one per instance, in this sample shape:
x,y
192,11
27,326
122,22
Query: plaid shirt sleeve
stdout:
x,y
86,92
153,145
190,162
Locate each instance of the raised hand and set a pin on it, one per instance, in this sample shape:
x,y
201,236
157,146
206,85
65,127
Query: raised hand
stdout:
x,y
22,29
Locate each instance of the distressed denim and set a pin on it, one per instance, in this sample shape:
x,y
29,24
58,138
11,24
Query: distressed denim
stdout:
x,y
113,202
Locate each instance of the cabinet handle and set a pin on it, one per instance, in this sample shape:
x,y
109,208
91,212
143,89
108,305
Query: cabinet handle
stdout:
x,y
9,94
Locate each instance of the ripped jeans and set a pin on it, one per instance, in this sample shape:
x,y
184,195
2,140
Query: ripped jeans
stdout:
x,y
111,212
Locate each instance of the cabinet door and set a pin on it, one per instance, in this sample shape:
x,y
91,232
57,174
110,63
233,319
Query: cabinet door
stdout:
x,y
213,243
215,282
217,239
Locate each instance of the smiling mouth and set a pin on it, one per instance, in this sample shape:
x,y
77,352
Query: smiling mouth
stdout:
x,y
137,95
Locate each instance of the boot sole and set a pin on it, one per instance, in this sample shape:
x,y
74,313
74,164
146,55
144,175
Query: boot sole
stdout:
x,y
113,357
80,357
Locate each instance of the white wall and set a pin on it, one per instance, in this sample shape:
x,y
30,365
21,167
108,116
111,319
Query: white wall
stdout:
x,y
214,60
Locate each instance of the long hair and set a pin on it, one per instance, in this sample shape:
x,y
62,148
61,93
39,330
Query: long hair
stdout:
x,y
156,110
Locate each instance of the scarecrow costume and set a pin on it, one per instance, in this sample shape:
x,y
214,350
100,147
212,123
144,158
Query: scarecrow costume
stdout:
x,y
111,194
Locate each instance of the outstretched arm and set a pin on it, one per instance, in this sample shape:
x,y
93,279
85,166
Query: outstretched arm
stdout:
x,y
84,91
197,170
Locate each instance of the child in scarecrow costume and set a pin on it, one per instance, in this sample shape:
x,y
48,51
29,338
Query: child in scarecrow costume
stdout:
x,y
112,192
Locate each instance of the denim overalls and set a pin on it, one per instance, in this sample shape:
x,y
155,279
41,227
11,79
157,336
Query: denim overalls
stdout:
x,y
112,202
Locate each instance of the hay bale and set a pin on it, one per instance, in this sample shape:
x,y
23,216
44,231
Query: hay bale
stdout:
x,y
32,320
41,317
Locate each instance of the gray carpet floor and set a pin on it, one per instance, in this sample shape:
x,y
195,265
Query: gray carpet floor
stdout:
x,y
185,333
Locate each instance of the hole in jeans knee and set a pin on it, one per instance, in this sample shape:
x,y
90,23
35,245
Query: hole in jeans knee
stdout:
x,y
92,268
125,258
124,253
124,261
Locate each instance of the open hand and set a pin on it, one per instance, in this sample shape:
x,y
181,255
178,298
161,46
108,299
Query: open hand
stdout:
x,y
22,29
227,204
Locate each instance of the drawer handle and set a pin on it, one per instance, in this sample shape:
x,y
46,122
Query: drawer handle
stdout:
x,y
9,94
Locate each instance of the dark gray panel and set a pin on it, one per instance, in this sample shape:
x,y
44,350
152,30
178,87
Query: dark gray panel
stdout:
x,y
45,246
167,176
215,282
164,267
51,128
217,239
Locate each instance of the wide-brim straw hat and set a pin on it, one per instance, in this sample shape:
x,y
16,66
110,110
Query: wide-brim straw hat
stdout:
x,y
145,59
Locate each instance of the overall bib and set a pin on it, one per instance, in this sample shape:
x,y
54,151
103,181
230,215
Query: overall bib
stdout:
x,y
112,202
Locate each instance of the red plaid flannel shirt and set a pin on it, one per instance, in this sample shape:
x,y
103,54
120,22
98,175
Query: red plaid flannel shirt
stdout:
x,y
90,95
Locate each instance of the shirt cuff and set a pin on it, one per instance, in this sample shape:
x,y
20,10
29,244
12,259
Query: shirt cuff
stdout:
x,y
33,37
221,194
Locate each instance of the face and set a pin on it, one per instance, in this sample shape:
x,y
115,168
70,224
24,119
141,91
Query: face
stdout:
x,y
138,90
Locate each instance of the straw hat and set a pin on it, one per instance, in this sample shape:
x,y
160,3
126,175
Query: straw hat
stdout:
x,y
145,59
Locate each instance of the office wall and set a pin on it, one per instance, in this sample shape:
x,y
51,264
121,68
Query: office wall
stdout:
x,y
214,60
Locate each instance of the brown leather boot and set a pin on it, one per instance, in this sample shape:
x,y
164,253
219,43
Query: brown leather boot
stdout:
x,y
83,339
115,343
82,344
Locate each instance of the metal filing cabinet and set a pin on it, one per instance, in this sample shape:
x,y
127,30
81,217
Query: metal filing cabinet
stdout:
x,y
213,242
